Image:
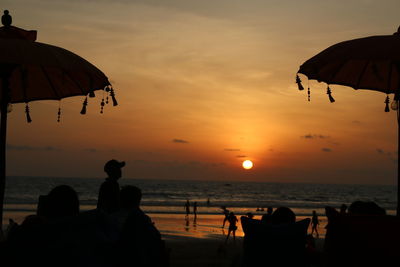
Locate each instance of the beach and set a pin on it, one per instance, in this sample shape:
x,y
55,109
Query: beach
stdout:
x,y
202,242
196,242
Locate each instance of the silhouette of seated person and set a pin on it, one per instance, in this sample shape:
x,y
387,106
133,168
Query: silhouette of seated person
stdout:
x,y
283,237
266,218
140,242
46,232
109,192
364,236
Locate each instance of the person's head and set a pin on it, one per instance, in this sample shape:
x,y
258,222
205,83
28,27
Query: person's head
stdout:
x,y
314,213
130,197
283,215
62,201
113,168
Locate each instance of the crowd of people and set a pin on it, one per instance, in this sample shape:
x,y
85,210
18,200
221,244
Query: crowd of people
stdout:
x,y
116,233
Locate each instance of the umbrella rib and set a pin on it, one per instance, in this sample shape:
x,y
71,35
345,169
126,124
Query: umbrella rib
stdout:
x,y
75,82
361,74
390,77
23,85
337,71
51,84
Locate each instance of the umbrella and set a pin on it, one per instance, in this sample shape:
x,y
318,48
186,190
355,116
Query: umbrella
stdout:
x,y
371,63
31,71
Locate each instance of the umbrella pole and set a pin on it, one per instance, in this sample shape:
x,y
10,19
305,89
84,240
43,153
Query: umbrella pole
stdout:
x,y
5,74
398,161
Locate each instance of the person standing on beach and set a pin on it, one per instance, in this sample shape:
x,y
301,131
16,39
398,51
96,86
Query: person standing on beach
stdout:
x,y
314,223
109,193
187,207
232,219
195,209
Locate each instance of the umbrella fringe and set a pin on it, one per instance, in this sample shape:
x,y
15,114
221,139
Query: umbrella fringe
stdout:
x,y
59,114
329,92
112,94
102,105
387,101
28,116
85,102
298,81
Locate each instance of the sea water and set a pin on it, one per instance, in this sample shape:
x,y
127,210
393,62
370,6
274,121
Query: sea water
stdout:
x,y
169,196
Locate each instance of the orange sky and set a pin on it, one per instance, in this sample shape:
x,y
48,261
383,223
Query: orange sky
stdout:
x,y
204,85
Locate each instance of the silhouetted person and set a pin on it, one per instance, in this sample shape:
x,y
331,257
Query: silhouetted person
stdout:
x,y
187,207
195,209
140,242
250,215
226,214
6,19
314,223
232,219
62,201
283,215
208,202
109,193
266,218
44,239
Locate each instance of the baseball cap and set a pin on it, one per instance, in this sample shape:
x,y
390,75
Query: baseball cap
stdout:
x,y
112,164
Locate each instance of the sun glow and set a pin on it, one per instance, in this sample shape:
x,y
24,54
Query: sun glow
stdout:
x,y
247,164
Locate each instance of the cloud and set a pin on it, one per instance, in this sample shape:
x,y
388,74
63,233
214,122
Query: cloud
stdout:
x,y
93,150
356,122
32,148
231,149
241,156
180,141
383,152
326,149
314,136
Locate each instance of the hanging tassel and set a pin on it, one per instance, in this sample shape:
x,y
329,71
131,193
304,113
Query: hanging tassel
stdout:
x,y
387,100
112,94
309,94
85,102
59,114
28,116
91,94
298,81
329,92
102,106
107,99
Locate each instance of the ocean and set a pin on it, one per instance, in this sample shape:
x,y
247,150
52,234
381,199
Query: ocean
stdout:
x,y
169,196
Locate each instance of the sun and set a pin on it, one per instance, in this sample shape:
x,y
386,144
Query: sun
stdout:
x,y
247,164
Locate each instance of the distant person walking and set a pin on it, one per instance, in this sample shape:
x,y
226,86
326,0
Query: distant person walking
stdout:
x,y
226,213
314,223
187,207
109,193
232,219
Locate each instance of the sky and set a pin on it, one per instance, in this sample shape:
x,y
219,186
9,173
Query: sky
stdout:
x,y
203,86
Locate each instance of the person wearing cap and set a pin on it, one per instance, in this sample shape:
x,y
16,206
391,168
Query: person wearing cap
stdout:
x,y
109,193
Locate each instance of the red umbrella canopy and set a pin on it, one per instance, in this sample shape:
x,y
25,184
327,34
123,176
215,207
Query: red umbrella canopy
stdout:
x,y
371,63
365,63
38,71
31,71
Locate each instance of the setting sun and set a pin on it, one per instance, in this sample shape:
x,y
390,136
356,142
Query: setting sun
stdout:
x,y
247,164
